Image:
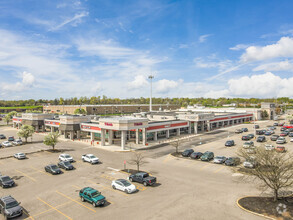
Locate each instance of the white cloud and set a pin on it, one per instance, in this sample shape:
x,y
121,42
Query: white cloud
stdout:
x,y
165,85
283,48
212,63
27,82
76,19
239,47
203,38
265,85
139,82
275,66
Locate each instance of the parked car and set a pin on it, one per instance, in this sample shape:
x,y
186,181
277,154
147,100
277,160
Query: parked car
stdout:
x,y
11,138
2,136
276,124
65,157
123,185
144,178
281,149
256,126
238,131
244,129
282,129
251,150
9,207
251,136
6,182
196,155
245,138
248,144
281,140
269,147
219,159
274,137
6,144
90,158
260,132
250,163
17,142
66,165
187,152
207,156
92,196
229,143
20,156
291,140
268,133
284,133
272,128
53,169
232,161
261,139
290,134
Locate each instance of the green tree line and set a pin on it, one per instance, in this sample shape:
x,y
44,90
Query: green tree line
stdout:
x,y
102,100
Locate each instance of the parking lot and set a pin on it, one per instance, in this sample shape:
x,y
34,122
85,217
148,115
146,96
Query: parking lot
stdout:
x,y
182,184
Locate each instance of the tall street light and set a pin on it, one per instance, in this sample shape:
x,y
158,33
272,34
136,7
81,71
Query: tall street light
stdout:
x,y
151,78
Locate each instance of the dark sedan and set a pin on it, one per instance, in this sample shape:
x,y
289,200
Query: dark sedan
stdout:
x,y
229,143
53,169
66,165
187,152
268,133
260,139
6,181
196,155
2,136
284,133
251,136
245,138
244,129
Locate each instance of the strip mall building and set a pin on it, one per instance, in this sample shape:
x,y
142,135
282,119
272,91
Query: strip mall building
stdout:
x,y
140,128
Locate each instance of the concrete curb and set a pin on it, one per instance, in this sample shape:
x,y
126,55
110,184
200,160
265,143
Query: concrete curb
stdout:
x,y
255,213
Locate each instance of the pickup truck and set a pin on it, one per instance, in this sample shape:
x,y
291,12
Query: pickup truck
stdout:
x,y
92,196
90,158
143,178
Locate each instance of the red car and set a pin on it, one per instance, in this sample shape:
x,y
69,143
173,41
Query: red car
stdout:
x,y
280,149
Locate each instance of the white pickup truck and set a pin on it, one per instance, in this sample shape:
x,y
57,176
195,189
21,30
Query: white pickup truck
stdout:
x,y
90,158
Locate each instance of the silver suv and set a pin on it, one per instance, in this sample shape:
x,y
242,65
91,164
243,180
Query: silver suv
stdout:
x,y
9,207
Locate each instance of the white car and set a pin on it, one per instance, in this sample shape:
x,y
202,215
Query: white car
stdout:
x,y
90,158
17,142
249,163
65,158
19,156
291,139
6,144
248,144
281,140
269,147
123,185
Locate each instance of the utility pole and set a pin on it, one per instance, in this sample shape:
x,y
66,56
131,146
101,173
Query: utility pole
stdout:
x,y
151,78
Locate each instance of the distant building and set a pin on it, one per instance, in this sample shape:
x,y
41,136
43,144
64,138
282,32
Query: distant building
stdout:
x,y
108,109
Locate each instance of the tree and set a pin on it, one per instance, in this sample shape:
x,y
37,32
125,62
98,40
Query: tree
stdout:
x,y
26,131
137,159
264,114
176,144
51,139
7,119
274,170
80,111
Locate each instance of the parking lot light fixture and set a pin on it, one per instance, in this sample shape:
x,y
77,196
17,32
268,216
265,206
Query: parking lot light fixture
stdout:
x,y
151,78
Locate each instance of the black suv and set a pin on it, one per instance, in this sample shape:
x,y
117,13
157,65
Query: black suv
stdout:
x,y
187,152
260,139
229,143
9,207
6,182
53,169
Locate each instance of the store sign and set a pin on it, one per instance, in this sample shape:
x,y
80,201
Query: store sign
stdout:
x,y
137,124
108,124
167,126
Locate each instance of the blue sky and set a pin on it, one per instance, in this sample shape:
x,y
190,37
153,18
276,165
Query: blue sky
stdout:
x,y
199,48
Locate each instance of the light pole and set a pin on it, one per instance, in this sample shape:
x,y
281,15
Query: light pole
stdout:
x,y
151,78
